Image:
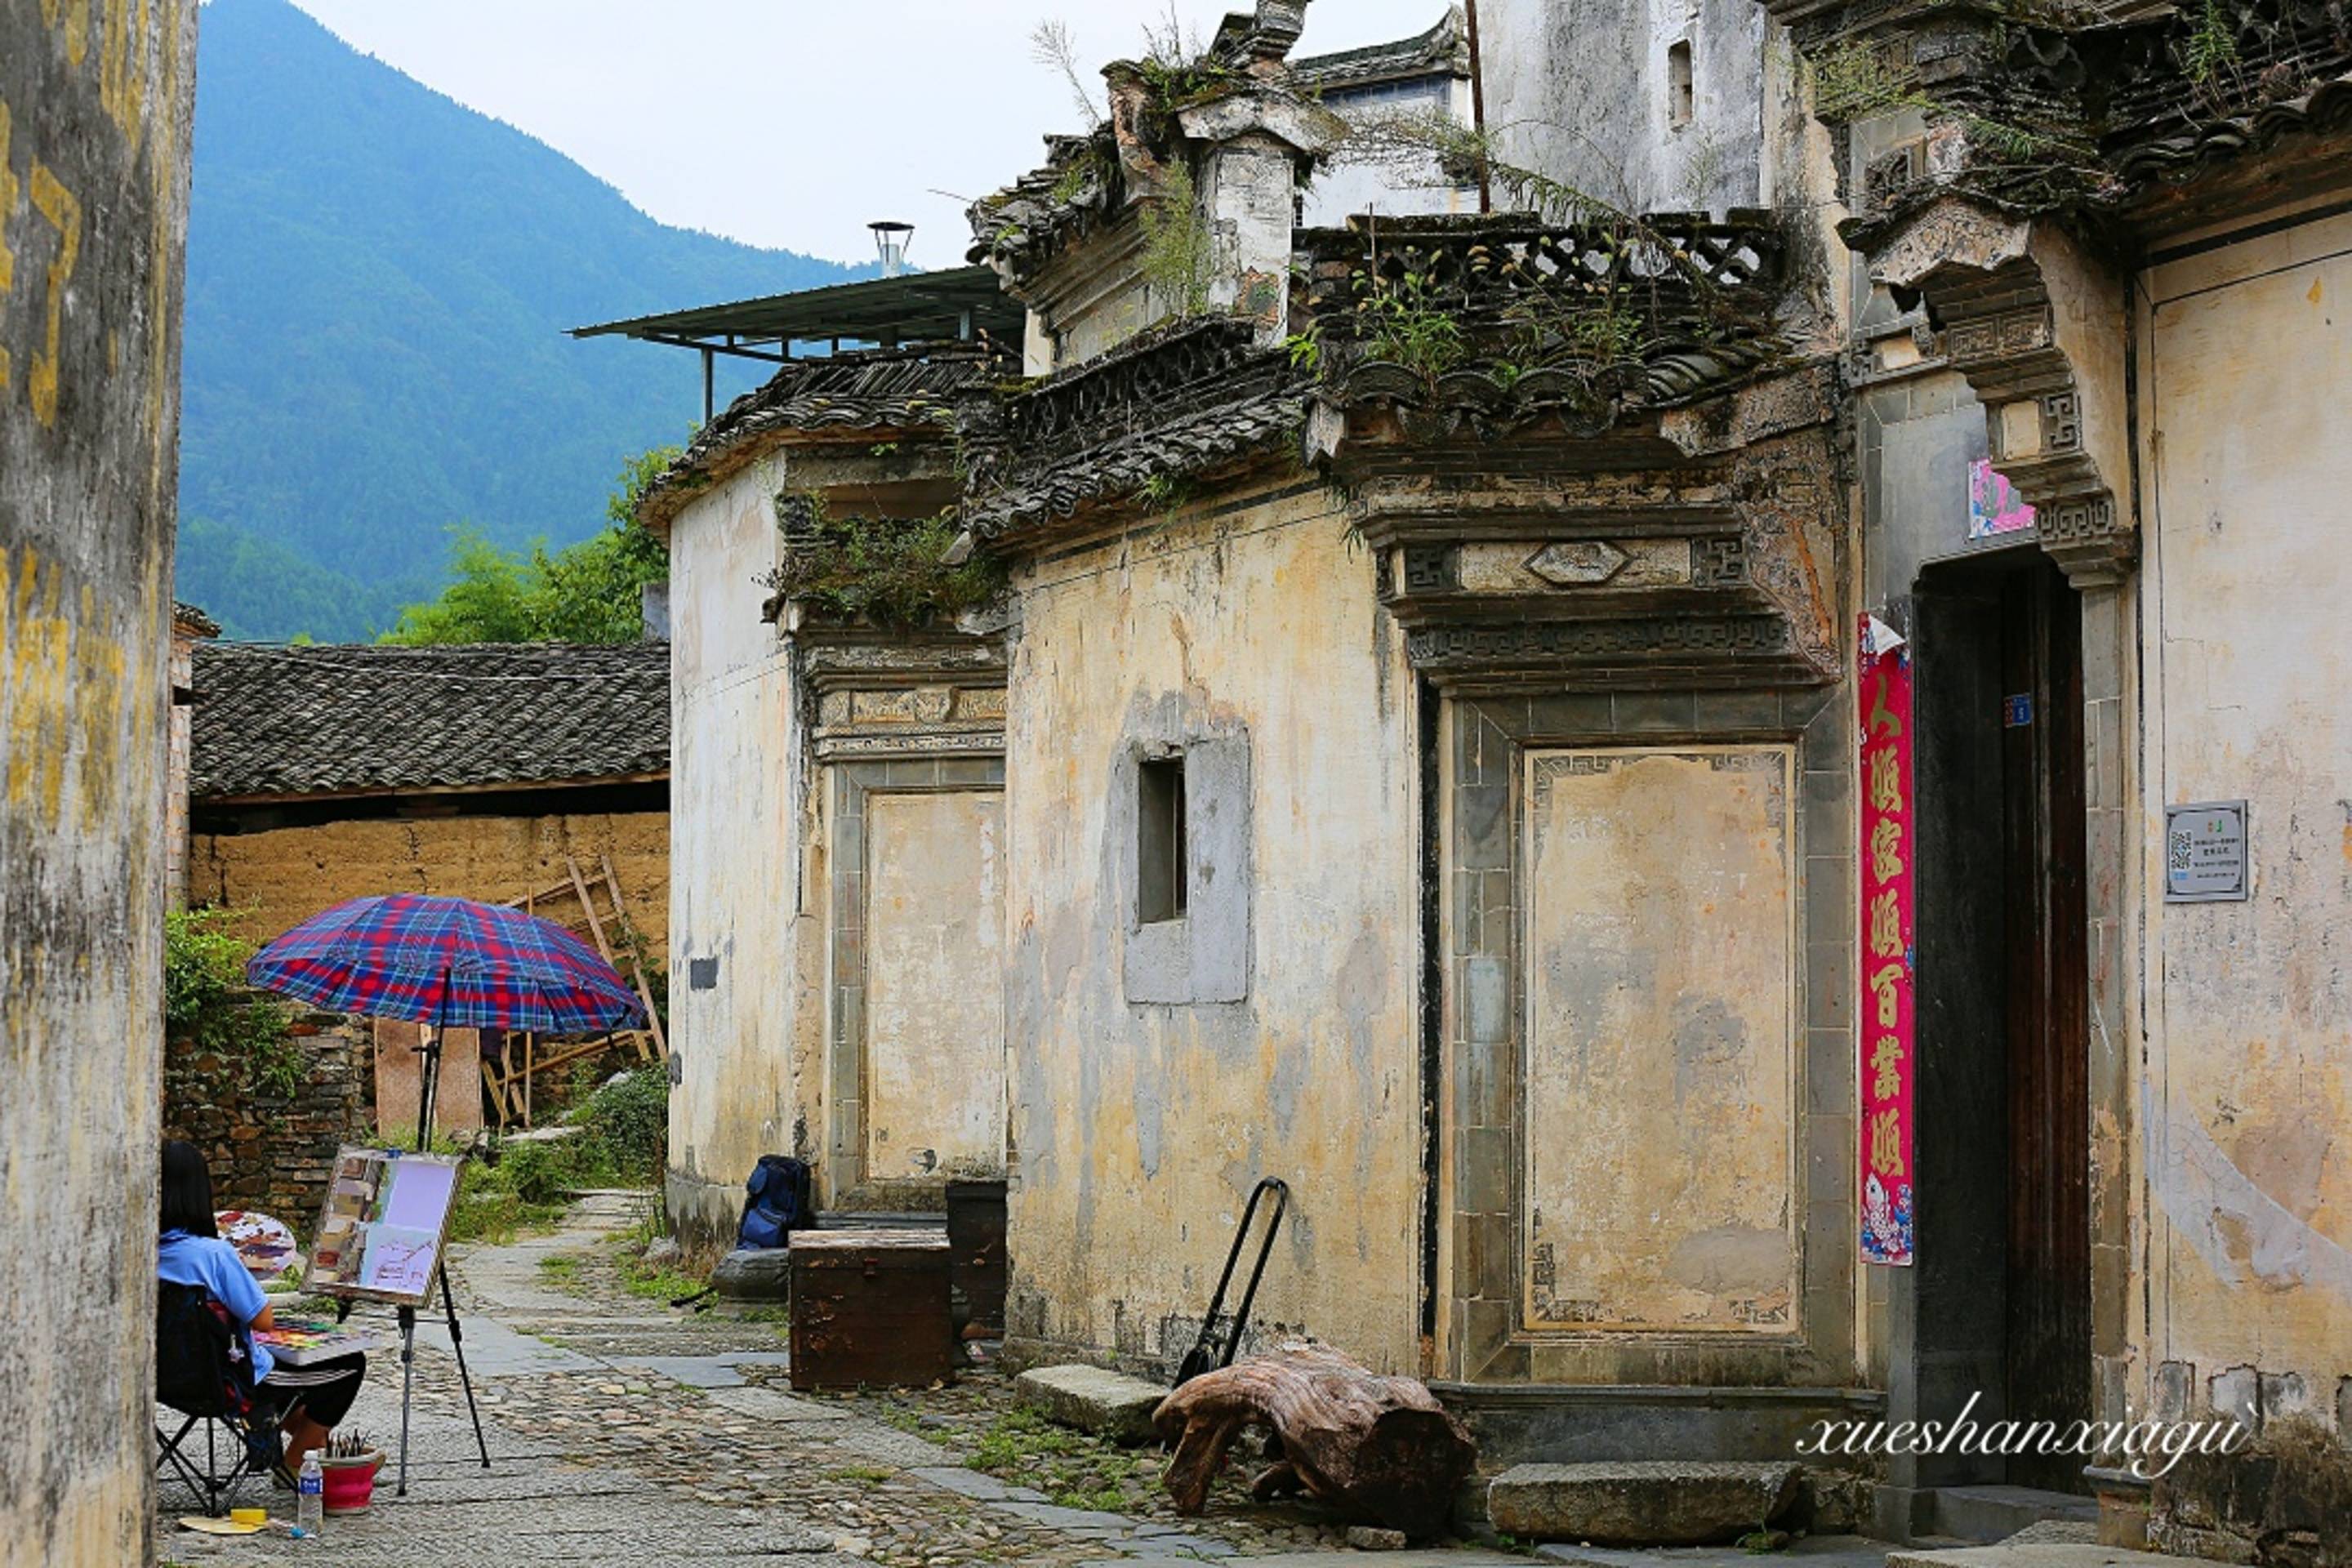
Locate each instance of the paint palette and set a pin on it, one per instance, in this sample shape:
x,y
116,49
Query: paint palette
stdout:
x,y
263,1244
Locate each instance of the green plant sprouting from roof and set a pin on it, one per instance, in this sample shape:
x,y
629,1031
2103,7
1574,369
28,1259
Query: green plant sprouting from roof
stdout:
x,y
1179,250
889,572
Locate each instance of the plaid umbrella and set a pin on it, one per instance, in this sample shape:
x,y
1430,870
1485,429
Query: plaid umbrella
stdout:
x,y
447,961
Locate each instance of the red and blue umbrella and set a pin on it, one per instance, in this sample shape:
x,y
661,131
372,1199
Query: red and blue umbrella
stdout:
x,y
450,962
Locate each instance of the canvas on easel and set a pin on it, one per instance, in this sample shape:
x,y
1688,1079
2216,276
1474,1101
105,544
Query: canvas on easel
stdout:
x,y
382,1226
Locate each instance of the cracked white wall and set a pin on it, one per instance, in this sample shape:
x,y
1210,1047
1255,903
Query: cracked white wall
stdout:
x,y
2248,1094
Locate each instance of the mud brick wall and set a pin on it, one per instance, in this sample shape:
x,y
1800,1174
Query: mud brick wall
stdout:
x,y
271,1151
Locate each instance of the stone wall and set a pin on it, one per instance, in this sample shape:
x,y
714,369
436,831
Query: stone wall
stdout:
x,y
95,103
271,1151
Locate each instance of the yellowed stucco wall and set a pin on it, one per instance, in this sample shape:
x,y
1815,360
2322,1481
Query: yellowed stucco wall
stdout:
x,y
281,877
934,1013
1660,1180
2247,657
735,890
1139,1130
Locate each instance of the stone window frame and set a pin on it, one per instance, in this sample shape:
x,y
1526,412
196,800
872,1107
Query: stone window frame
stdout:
x,y
1482,1127
845,952
1205,956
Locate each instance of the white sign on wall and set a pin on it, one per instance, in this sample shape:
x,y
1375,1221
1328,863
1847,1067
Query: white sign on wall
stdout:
x,y
2205,852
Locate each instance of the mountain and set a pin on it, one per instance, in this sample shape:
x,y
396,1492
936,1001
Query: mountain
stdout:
x,y
378,280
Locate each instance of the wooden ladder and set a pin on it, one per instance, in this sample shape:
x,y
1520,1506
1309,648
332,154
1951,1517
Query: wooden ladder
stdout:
x,y
508,1078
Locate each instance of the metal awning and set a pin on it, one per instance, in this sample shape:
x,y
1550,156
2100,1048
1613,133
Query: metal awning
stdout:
x,y
914,307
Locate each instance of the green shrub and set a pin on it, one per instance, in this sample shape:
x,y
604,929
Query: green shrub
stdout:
x,y
626,1124
205,1000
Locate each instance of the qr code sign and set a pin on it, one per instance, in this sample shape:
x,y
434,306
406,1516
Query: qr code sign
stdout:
x,y
2177,857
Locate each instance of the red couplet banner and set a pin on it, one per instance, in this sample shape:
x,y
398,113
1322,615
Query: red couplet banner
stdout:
x,y
1888,955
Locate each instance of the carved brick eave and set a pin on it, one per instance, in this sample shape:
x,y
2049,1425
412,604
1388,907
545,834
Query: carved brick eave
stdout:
x,y
877,695
2037,328
1665,573
837,657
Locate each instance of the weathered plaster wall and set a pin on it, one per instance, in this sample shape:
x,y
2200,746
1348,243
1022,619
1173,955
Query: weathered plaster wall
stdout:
x,y
735,890
280,877
1139,1129
175,774
934,1022
1342,189
2249,1068
94,114
1658,974
1580,90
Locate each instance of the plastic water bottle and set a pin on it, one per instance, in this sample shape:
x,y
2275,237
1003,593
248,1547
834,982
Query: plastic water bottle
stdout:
x,y
311,1486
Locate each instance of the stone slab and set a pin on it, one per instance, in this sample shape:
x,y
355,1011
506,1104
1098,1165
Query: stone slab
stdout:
x,y
1107,1403
1815,1551
770,1405
974,1485
1651,1502
763,1274
719,1371
1438,1558
2038,1554
492,1350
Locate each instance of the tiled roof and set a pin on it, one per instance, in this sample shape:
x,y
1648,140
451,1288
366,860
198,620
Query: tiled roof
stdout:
x,y
884,389
188,619
348,720
1189,445
1444,47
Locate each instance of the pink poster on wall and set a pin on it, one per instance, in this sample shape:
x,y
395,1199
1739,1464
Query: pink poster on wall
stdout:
x,y
1888,955
1994,505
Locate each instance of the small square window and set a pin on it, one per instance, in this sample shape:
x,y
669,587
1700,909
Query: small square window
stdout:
x,y
1160,840
1679,93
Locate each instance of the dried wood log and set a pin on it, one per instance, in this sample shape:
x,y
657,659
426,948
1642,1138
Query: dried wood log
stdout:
x,y
1377,1448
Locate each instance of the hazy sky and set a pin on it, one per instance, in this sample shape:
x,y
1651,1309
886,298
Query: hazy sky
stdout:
x,y
793,123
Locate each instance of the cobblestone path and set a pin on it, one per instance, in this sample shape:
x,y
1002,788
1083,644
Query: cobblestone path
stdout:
x,y
626,1432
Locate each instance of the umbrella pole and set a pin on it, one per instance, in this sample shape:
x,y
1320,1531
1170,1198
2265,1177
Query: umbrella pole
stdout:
x,y
428,1090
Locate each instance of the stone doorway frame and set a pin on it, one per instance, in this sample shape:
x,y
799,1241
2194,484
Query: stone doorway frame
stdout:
x,y
1483,1120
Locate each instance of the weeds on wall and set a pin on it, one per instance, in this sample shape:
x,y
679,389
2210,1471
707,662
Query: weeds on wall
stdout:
x,y
1409,320
207,1002
889,572
1179,252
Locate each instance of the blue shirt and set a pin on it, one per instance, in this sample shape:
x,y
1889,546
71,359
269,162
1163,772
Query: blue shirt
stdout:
x,y
208,1261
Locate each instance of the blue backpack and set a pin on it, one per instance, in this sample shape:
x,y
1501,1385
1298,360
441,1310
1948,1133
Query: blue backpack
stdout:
x,y
776,1203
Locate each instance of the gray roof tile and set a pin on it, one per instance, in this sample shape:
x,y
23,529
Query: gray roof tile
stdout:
x,y
347,720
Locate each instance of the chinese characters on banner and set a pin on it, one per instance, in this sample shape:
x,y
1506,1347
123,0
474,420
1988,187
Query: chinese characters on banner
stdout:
x,y
1888,956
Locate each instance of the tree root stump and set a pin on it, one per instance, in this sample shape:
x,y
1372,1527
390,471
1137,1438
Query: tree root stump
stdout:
x,y
1378,1448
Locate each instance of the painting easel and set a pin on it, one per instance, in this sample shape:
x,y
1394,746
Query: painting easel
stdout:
x,y
407,1294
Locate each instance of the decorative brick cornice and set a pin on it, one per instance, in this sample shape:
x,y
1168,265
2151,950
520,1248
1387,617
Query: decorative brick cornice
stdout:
x,y
2020,304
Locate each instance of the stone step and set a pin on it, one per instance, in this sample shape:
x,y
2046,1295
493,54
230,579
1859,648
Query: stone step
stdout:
x,y
2038,1554
1107,1403
1994,1513
1642,1502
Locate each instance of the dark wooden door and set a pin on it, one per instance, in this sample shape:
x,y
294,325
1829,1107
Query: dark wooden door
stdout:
x,y
2048,1295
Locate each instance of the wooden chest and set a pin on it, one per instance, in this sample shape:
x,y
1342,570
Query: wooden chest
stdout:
x,y
976,1239
869,1307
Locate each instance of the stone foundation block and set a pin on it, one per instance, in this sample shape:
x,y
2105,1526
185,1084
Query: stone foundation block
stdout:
x,y
1652,1502
1107,1403
761,1274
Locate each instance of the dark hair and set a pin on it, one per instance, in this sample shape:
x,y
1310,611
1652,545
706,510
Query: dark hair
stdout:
x,y
187,1192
